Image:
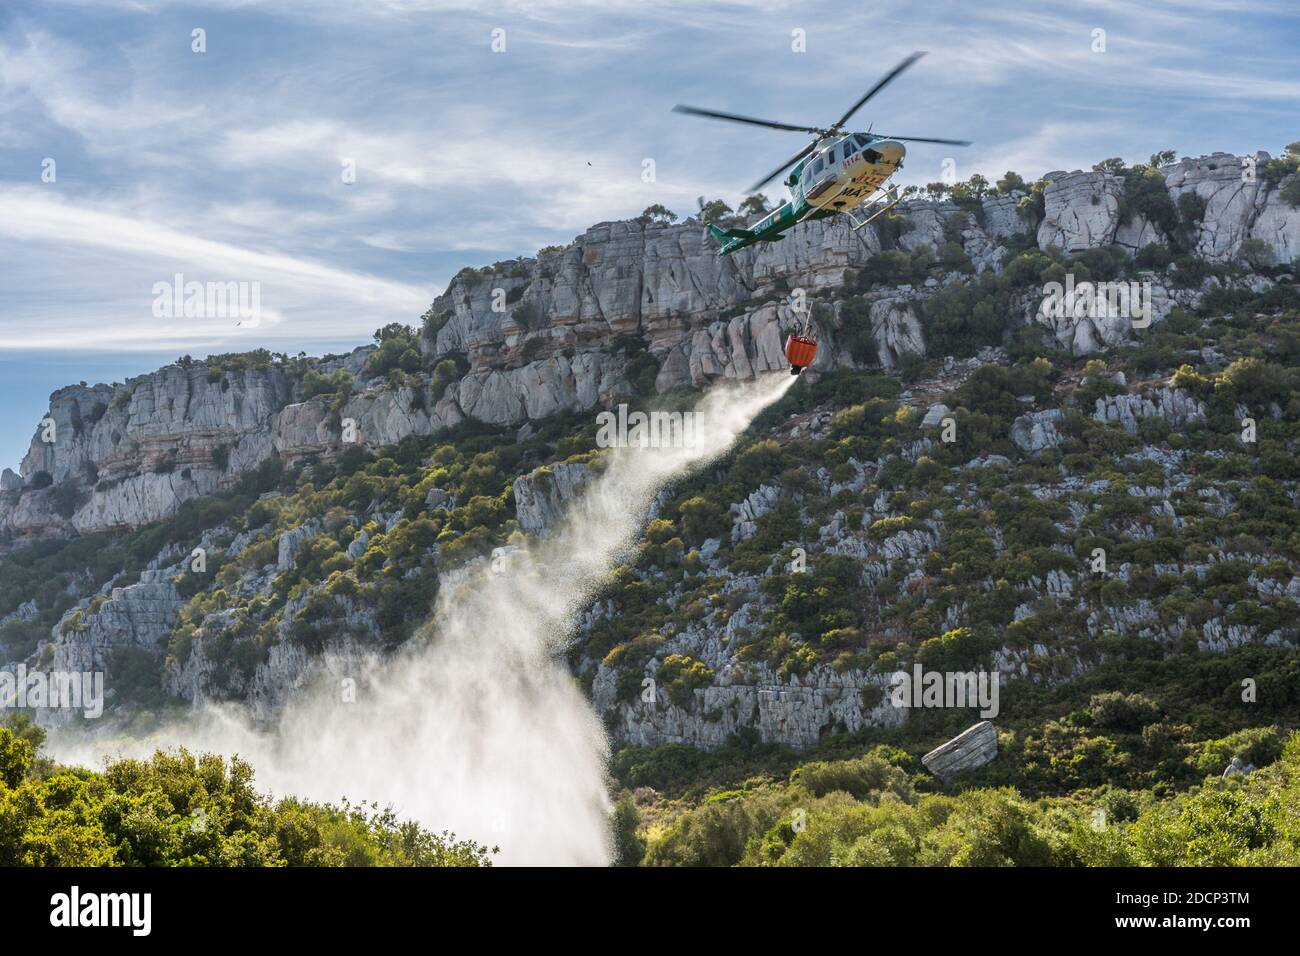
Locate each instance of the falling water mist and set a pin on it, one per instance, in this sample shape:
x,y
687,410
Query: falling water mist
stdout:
x,y
476,726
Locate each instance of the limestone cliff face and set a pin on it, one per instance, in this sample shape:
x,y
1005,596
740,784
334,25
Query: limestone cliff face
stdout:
x,y
702,316
1237,208
136,451
567,331
705,317
625,278
798,710
1083,209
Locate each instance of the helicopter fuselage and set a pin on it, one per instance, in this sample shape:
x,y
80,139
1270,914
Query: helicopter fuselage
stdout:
x,y
841,174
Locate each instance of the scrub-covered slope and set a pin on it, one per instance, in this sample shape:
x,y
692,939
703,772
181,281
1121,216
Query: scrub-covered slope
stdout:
x,y
1080,501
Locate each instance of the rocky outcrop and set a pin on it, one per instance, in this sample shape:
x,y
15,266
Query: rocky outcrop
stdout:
x,y
628,277
136,452
1175,406
1002,216
896,330
1277,223
206,674
25,612
934,415
291,540
384,416
745,515
1037,430
140,615
1081,210
173,419
798,710
1239,205
736,348
1238,767
541,389
542,495
87,639
1103,317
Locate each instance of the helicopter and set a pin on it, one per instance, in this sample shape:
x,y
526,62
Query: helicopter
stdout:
x,y
835,173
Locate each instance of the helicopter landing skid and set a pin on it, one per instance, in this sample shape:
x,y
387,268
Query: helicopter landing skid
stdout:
x,y
879,212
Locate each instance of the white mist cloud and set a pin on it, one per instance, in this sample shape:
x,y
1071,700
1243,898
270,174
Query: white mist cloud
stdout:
x,y
478,727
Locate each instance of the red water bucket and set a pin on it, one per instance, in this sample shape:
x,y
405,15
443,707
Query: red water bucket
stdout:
x,y
799,351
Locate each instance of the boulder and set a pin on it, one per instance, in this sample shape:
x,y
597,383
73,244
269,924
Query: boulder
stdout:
x,y
934,415
1238,768
969,750
1037,431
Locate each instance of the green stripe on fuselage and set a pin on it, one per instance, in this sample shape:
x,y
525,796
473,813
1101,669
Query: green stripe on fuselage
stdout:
x,y
767,229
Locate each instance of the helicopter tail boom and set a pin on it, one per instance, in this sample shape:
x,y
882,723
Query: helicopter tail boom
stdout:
x,y
722,235
731,239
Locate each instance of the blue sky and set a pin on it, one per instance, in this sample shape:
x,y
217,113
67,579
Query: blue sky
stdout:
x,y
226,165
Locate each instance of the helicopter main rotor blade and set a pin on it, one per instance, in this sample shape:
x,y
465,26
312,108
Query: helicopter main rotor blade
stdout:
x,y
783,167
889,77
924,139
737,118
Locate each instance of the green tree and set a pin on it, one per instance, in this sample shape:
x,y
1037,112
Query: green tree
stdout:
x,y
657,213
1010,182
712,211
629,845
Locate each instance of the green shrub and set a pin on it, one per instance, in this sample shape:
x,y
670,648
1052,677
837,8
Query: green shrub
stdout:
x,y
1115,710
680,676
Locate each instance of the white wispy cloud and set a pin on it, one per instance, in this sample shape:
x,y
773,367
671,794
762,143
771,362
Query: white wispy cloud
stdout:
x,y
43,231
227,165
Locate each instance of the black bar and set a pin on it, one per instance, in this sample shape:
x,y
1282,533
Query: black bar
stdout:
x,y
931,905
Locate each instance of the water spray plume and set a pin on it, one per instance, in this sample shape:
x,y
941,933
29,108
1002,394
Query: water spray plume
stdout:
x,y
476,726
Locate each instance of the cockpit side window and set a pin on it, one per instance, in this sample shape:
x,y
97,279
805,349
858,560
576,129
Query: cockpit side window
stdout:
x,y
817,166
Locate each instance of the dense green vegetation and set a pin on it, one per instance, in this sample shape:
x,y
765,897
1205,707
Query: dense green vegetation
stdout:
x,y
873,810
178,809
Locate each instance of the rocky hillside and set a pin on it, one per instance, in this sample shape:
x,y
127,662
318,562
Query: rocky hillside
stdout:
x,y
935,490
635,307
